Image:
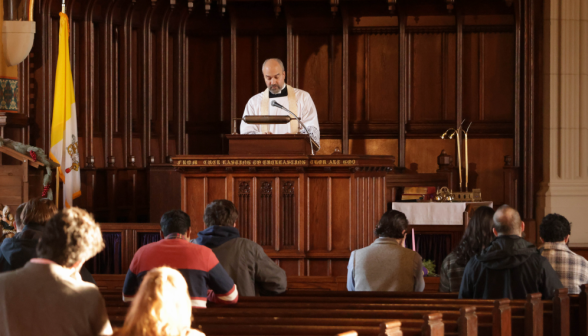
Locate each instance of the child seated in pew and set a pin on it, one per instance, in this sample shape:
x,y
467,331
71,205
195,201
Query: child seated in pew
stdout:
x,y
386,265
478,235
162,307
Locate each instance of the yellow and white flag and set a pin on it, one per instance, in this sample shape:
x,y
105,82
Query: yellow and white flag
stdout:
x,y
64,129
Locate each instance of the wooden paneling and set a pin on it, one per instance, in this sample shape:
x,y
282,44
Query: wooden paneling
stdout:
x,y
308,215
154,78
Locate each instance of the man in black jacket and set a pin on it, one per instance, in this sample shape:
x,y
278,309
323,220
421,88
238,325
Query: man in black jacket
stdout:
x,y
245,261
510,267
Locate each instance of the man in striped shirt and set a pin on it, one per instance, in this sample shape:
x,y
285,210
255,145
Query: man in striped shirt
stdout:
x,y
198,264
572,269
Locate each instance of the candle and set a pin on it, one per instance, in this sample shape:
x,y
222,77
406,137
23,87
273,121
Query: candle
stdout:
x,y
466,160
459,157
413,245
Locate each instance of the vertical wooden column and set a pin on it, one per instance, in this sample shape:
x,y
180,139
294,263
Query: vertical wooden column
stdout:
x,y
107,83
180,94
517,86
459,67
345,97
402,88
163,107
145,47
46,82
87,87
234,65
126,92
528,108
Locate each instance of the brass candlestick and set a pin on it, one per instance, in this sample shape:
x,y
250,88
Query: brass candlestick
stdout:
x,y
467,162
457,133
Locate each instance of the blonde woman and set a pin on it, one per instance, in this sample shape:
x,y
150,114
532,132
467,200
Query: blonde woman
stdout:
x,y
162,307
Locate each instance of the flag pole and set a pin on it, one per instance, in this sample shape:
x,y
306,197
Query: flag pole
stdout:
x,y
56,198
63,6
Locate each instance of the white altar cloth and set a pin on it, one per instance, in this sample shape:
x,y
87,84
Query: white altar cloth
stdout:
x,y
430,213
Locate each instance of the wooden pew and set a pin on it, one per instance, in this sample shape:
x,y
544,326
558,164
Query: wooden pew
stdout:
x,y
431,324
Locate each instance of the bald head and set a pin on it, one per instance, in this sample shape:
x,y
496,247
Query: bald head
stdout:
x,y
274,74
507,221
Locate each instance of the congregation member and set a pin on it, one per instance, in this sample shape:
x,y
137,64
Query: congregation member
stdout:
x,y
15,252
162,307
572,269
47,296
478,235
18,224
196,263
297,101
510,267
386,265
245,261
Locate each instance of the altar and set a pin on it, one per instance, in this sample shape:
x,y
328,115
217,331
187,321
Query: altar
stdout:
x,y
307,211
438,226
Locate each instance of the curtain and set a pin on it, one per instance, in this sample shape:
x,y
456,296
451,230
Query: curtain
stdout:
x,y
431,247
109,260
144,238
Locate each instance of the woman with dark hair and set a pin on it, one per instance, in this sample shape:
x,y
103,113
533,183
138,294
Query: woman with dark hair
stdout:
x,y
478,235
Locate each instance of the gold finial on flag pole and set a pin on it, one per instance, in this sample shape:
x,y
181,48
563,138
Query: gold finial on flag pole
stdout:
x,y
63,6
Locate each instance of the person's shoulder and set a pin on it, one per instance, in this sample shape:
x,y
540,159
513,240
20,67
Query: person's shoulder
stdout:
x,y
302,93
255,99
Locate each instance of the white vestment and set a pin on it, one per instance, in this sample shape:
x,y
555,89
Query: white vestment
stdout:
x,y
306,112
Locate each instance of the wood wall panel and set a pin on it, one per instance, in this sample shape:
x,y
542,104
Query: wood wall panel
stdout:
x,y
488,91
340,221
195,207
318,215
132,103
432,79
498,76
381,84
313,74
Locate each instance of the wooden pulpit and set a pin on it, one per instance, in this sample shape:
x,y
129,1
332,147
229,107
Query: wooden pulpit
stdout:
x,y
307,211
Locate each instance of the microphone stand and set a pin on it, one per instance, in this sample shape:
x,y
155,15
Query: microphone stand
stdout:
x,y
280,106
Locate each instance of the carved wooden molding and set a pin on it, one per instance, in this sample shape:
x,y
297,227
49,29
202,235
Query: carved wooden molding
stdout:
x,y
450,5
222,7
392,6
334,6
207,4
277,7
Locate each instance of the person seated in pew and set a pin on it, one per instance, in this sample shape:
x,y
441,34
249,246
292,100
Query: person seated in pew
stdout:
x,y
572,269
15,252
17,225
196,263
510,267
245,261
478,235
162,307
47,296
386,265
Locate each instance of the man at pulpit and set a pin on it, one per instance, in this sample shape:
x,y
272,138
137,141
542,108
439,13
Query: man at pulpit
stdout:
x,y
297,101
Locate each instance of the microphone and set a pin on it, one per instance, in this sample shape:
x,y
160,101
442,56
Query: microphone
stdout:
x,y
278,105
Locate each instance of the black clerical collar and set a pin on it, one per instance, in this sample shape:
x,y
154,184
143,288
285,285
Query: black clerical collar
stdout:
x,y
283,93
